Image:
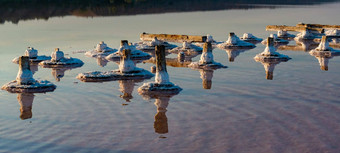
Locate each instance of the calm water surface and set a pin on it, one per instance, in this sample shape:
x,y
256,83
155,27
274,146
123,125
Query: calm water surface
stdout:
x,y
297,111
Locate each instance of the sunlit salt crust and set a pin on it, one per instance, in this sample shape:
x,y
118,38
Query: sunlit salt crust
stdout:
x,y
306,35
210,66
37,86
135,55
277,41
248,37
95,53
33,56
323,50
150,45
34,60
101,51
284,35
63,62
97,76
187,48
153,89
234,42
270,54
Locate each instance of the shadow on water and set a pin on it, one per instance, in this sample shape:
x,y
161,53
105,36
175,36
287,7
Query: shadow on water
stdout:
x,y
17,10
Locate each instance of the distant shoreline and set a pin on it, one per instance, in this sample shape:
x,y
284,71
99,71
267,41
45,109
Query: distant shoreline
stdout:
x,y
17,10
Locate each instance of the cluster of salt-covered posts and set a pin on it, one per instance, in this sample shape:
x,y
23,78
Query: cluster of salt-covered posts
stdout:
x,y
154,48
313,38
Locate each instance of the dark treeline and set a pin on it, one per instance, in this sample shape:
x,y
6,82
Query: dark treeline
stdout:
x,y
16,10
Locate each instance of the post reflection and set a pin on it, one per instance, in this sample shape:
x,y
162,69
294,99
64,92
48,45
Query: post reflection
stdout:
x,y
161,121
206,76
102,62
301,45
233,53
26,101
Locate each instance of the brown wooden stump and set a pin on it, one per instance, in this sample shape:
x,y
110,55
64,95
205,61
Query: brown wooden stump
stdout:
x,y
160,58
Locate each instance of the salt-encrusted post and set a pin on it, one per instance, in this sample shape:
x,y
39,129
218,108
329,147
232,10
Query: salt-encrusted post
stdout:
x,y
57,55
126,64
24,76
161,72
207,56
124,44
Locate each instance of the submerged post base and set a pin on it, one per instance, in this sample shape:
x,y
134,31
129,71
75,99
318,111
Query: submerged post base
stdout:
x,y
97,76
153,89
36,87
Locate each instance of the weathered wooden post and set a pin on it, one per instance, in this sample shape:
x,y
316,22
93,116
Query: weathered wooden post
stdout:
x,y
24,76
207,56
25,100
126,64
161,72
123,45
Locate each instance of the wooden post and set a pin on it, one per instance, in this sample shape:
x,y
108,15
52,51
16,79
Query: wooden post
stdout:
x,y
207,57
270,41
24,63
318,26
160,59
124,42
173,38
291,28
126,54
24,76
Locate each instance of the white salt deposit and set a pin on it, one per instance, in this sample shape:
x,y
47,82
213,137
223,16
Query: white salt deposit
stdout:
x,y
31,52
101,50
150,45
277,41
58,60
306,34
33,56
162,77
250,38
25,82
235,42
284,34
188,48
126,65
135,55
25,76
270,52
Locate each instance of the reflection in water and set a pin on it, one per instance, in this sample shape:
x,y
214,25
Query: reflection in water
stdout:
x,y
233,53
102,61
59,73
126,87
34,68
324,59
301,45
26,101
161,121
206,76
269,67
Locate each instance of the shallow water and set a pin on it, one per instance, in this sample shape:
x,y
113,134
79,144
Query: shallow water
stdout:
x,y
297,111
